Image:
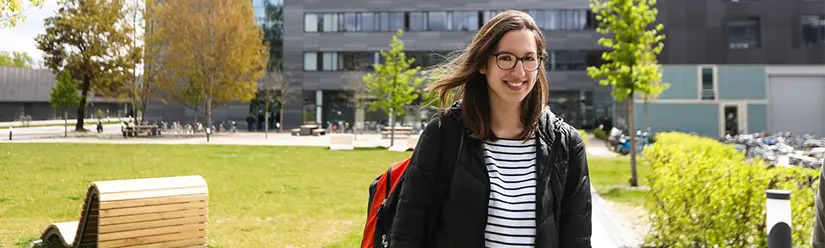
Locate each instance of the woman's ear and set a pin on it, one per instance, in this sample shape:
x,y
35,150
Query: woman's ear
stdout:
x,y
483,70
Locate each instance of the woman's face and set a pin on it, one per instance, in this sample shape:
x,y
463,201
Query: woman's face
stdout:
x,y
512,67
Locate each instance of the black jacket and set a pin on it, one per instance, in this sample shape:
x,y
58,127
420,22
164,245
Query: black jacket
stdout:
x,y
563,210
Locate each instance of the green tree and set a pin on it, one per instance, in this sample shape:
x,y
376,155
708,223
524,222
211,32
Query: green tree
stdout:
x,y
630,62
16,59
64,96
395,83
11,11
91,40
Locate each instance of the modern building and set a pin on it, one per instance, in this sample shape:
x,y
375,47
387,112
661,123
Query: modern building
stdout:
x,y
714,100
24,92
740,67
327,42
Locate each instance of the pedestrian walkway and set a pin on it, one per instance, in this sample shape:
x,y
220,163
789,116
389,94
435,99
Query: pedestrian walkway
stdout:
x,y
608,230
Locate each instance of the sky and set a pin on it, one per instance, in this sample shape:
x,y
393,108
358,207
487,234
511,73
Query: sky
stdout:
x,y
21,37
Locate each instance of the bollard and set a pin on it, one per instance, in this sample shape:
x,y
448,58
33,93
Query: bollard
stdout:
x,y
778,218
11,129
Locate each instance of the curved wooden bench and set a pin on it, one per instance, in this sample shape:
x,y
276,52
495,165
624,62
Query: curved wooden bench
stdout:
x,y
152,212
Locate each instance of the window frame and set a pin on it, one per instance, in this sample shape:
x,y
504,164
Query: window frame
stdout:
x,y
700,82
306,21
801,25
727,26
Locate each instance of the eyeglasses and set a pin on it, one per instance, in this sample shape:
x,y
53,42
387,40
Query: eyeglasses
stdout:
x,y
508,61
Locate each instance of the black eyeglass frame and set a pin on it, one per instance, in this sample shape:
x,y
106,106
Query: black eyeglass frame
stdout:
x,y
540,59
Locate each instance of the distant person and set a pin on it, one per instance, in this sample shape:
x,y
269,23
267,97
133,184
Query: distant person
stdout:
x,y
99,126
250,121
819,219
520,176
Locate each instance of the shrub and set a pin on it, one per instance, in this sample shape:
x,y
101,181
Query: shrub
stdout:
x,y
600,133
704,194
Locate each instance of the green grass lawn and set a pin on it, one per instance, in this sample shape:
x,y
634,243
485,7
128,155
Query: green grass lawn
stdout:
x,y
260,196
611,178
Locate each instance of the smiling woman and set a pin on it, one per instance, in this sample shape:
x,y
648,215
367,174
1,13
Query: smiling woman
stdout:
x,y
504,195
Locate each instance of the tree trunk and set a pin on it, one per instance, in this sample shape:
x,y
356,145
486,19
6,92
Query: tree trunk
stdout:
x,y
632,126
208,117
143,108
65,124
266,108
81,108
647,123
281,127
392,127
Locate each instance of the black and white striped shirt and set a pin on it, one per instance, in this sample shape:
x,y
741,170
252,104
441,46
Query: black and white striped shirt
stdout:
x,y
511,211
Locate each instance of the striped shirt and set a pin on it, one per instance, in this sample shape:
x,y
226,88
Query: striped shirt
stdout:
x,y
511,211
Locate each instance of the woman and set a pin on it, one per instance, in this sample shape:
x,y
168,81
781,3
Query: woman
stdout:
x,y
520,176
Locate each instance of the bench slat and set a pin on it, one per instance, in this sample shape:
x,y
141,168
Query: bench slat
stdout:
x,y
150,232
148,184
153,193
195,242
153,239
152,201
152,216
106,213
155,223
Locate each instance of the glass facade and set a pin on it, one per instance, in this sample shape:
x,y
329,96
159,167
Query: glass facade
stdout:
x,y
363,61
564,19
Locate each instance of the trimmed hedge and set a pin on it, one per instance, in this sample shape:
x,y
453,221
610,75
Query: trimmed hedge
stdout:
x,y
704,194
600,133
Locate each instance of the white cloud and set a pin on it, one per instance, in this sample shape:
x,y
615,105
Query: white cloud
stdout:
x,y
21,37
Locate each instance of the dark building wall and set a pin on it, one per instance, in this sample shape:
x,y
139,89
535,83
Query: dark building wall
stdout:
x,y
697,32
297,40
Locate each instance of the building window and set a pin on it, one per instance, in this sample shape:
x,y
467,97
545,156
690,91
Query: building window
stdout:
x,y
330,61
330,22
708,83
464,20
311,23
310,61
743,33
368,22
567,60
351,23
437,21
489,14
418,21
813,30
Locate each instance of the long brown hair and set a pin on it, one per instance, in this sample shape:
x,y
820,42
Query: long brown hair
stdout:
x,y
460,77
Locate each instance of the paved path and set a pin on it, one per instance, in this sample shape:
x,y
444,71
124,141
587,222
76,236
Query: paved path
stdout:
x,y
608,229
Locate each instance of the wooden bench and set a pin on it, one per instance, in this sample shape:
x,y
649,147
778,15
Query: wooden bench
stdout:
x,y
152,212
134,131
318,131
342,142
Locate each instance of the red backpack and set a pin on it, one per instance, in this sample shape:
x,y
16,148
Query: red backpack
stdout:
x,y
383,200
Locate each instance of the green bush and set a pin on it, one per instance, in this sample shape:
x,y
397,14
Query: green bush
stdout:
x,y
704,194
600,134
